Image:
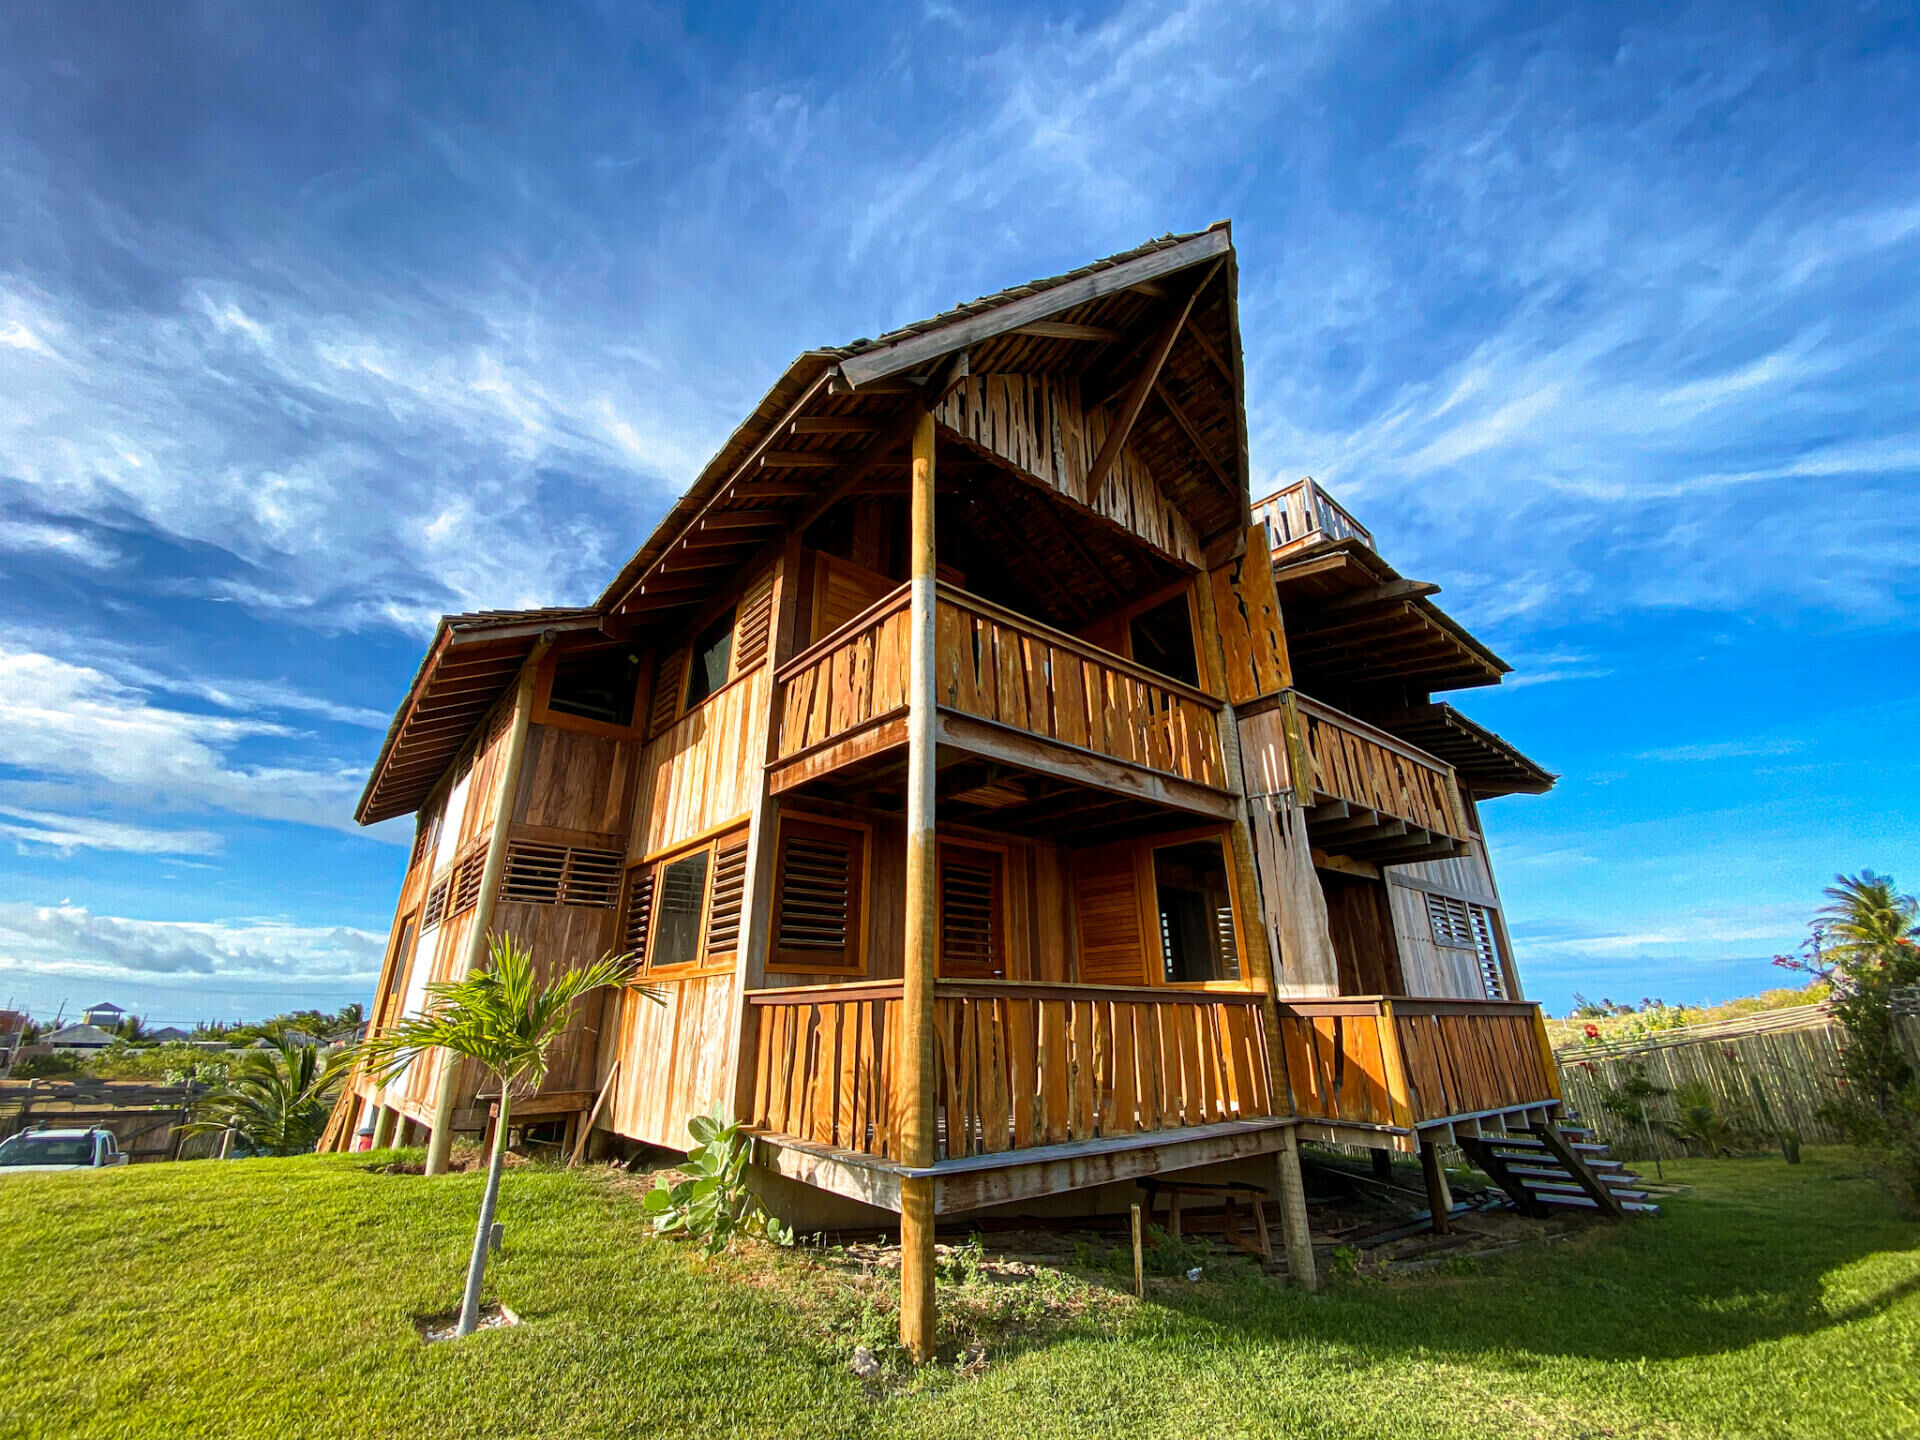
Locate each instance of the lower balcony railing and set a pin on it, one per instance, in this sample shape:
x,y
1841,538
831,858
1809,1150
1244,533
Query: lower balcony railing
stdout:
x,y
1015,1065
1401,1062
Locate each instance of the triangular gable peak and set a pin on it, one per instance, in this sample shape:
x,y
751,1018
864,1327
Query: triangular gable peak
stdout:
x,y
1096,424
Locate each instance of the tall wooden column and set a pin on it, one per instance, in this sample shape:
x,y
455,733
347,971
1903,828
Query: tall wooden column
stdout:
x,y
916,1009
440,1145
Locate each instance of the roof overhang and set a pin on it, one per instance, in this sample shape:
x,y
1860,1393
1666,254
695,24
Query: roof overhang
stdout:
x,y
1354,622
1486,764
472,661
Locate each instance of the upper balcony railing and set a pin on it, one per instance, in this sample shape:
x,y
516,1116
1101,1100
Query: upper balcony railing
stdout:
x,y
1304,514
1015,1065
994,665
1405,1063
1348,760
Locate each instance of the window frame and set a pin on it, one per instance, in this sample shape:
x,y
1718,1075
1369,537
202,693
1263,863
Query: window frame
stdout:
x,y
544,714
858,917
1150,900
654,865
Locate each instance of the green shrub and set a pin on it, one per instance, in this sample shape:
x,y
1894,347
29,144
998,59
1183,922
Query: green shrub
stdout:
x,y
712,1204
46,1067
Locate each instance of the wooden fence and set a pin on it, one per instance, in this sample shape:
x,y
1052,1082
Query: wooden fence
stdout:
x,y
1769,1073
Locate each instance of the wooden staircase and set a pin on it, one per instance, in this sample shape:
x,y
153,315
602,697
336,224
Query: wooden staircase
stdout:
x,y
1549,1168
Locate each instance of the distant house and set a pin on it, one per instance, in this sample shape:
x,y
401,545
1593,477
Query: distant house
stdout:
x,y
107,1017
13,1024
77,1039
169,1035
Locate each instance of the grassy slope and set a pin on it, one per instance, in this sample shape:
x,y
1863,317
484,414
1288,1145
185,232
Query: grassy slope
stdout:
x,y
275,1297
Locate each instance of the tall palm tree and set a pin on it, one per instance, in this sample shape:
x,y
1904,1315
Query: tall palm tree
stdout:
x,y
277,1100
1868,934
502,1018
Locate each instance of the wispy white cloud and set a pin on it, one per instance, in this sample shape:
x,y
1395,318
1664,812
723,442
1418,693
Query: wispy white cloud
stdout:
x,y
1722,750
68,833
77,724
71,940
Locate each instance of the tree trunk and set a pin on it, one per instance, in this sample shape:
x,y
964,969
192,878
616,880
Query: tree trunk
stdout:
x,y
477,1267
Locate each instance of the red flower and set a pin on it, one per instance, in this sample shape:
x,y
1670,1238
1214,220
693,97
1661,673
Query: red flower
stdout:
x,y
1593,1032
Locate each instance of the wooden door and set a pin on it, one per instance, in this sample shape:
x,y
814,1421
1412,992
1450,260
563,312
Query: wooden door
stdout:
x,y
1360,921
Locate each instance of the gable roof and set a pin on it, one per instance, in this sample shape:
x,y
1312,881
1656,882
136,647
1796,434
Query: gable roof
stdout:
x,y
469,665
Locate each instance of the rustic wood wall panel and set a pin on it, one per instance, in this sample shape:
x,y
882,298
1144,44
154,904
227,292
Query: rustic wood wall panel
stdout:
x,y
674,1059
841,590
1251,633
571,780
703,771
562,936
1037,424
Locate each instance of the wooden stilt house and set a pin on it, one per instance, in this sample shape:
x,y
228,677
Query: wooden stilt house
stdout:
x,y
1006,808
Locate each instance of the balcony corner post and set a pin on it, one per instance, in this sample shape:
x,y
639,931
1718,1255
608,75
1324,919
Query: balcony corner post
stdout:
x,y
916,1010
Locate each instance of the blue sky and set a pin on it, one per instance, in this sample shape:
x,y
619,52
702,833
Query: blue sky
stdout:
x,y
317,323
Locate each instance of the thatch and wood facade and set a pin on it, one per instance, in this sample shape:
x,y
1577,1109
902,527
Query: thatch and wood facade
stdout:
x,y
1005,807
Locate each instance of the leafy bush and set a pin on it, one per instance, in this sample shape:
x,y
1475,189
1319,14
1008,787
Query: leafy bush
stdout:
x,y
713,1204
46,1067
153,1062
1704,1120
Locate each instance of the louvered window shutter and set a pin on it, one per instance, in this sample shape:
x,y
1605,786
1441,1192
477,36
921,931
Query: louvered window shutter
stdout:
x,y
753,625
669,680
1492,977
970,926
818,908
1106,897
729,892
639,914
539,874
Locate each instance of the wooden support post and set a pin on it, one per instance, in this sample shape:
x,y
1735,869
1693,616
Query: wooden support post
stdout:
x,y
1439,1193
1382,1164
1139,1260
383,1118
440,1146
1294,1228
916,1009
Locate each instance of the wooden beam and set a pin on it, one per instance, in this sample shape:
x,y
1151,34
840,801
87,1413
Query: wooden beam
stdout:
x,y
1062,330
836,425
1165,397
742,520
800,460
1206,348
915,1055
1122,426
913,351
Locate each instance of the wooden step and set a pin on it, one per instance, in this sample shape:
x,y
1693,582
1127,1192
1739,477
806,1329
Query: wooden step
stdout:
x,y
1528,1142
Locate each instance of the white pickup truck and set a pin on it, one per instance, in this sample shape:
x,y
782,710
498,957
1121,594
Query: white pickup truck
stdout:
x,y
60,1150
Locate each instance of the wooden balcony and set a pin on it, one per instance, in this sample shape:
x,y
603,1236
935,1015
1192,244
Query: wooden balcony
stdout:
x,y
1008,688
1303,515
1416,1066
1029,1078
1369,795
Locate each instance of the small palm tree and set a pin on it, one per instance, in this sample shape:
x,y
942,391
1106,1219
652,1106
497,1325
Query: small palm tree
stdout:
x,y
276,1100
500,1017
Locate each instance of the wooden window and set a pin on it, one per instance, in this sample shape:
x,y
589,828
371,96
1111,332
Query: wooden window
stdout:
x,y
1195,904
972,930
540,874
712,649
729,896
679,907
425,831
436,907
597,685
1450,921
638,915
818,903
1461,925
466,879
397,975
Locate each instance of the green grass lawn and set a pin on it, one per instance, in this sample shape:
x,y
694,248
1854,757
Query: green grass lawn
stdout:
x,y
276,1297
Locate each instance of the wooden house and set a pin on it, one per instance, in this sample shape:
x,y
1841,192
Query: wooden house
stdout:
x,y
1004,806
